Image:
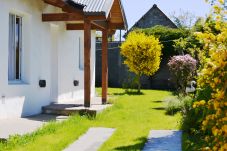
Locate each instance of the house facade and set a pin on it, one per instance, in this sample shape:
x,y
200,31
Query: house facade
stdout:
x,y
42,62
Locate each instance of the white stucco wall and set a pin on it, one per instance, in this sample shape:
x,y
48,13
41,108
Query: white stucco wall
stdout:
x,y
49,52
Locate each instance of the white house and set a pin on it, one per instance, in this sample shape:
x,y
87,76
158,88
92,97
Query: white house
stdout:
x,y
47,49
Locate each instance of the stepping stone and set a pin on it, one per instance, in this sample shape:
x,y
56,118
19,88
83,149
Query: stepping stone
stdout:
x,y
92,140
26,125
164,140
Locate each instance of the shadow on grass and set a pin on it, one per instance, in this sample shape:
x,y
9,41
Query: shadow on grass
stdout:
x,y
3,140
137,146
157,101
158,108
129,93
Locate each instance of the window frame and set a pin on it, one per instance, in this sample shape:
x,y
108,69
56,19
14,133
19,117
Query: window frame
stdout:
x,y
15,48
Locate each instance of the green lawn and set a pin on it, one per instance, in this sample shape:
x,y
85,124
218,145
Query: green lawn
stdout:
x,y
133,116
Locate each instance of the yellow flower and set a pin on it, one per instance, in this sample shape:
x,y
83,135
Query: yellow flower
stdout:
x,y
204,123
215,131
216,104
194,105
224,128
215,148
220,94
225,146
203,102
198,104
221,1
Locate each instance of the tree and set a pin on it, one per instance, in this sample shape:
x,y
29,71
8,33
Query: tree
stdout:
x,y
142,54
166,36
183,69
184,19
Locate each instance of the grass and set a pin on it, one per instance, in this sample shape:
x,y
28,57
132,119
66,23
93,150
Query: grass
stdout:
x,y
132,115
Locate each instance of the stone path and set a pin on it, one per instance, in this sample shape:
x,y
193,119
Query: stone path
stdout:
x,y
92,140
164,140
23,126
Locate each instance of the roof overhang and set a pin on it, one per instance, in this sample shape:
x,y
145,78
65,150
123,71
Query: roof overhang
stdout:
x,y
73,11
74,5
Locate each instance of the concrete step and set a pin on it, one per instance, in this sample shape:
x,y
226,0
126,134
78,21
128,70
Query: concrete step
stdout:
x,y
71,109
92,140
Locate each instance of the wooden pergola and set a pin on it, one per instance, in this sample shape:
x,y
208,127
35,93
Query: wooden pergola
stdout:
x,y
107,22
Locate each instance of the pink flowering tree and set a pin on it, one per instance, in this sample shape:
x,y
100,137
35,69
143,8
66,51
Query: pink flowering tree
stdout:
x,y
182,69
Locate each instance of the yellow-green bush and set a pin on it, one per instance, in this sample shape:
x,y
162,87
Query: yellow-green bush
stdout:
x,y
142,54
214,75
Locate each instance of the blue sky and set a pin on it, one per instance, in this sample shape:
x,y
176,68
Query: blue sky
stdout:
x,y
135,9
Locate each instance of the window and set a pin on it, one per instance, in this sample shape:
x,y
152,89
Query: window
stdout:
x,y
15,47
81,55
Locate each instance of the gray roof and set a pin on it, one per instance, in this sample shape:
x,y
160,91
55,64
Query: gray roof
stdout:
x,y
92,7
153,17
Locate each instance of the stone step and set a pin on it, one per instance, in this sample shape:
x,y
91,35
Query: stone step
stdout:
x,y
164,140
92,140
71,109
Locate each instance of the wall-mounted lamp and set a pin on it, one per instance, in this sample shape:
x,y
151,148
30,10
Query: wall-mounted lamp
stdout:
x,y
42,83
76,83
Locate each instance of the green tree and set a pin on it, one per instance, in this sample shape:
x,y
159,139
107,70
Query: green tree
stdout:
x,y
142,54
166,36
184,19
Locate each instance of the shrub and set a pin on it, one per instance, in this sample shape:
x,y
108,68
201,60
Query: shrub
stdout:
x,y
212,81
142,54
173,105
167,36
182,69
178,104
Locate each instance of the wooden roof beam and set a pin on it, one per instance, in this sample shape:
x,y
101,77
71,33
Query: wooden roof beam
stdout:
x,y
56,3
80,26
64,6
111,31
62,17
102,25
70,17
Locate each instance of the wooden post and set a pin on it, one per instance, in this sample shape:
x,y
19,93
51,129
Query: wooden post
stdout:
x,y
120,35
104,65
87,68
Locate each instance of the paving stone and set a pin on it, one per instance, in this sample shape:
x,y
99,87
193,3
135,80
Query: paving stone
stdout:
x,y
92,140
23,126
164,140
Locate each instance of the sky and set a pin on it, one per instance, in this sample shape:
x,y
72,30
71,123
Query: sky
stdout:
x,y
135,9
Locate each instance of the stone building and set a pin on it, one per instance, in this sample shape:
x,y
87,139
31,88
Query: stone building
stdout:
x,y
152,18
